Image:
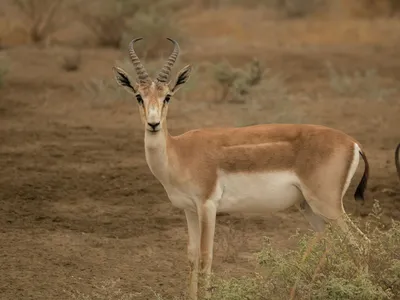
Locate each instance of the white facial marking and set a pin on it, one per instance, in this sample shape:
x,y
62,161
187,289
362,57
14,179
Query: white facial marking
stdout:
x,y
258,192
153,115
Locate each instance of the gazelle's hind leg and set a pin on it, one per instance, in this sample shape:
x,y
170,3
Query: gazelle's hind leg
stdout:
x,y
332,211
316,221
318,224
317,218
326,197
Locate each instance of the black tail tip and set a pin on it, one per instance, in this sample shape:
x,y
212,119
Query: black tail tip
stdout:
x,y
359,194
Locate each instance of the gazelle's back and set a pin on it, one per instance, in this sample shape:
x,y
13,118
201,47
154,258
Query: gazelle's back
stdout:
x,y
261,134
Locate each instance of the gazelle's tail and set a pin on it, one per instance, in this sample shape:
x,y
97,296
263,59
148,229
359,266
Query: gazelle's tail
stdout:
x,y
359,194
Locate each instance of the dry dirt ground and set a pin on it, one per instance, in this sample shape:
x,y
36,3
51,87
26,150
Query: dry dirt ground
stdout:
x,y
78,204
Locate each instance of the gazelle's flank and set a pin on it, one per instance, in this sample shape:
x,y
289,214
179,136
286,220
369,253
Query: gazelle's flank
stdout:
x,y
249,169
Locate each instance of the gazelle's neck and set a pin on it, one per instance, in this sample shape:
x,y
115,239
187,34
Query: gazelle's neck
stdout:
x,y
156,152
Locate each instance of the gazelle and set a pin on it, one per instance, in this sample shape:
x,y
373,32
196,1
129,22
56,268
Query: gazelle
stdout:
x,y
397,159
257,168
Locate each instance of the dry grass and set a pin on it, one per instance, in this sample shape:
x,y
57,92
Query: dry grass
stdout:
x,y
364,84
106,290
345,273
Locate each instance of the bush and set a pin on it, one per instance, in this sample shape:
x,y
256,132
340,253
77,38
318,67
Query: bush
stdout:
x,y
235,82
345,274
107,20
116,22
43,17
254,90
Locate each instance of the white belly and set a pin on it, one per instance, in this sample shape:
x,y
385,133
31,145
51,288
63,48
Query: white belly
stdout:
x,y
258,192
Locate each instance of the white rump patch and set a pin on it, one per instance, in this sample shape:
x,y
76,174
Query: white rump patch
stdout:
x,y
353,168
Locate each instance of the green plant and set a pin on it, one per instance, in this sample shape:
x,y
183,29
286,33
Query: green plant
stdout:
x,y
255,89
236,83
345,274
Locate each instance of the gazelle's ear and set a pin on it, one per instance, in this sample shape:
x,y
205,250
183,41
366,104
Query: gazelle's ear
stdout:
x,y
122,79
183,77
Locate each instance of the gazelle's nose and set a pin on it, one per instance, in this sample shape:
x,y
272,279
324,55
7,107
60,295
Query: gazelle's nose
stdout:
x,y
153,125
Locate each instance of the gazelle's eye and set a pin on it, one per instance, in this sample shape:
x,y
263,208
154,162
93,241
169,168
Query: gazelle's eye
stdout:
x,y
139,99
167,98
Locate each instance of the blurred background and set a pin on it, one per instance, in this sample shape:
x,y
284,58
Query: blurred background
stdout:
x,y
80,212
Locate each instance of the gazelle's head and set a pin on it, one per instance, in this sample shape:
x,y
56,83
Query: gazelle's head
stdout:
x,y
152,96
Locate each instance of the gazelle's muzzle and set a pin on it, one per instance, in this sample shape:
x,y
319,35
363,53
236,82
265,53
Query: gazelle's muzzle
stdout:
x,y
153,118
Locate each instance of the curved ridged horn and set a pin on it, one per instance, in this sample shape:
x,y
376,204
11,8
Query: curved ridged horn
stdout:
x,y
165,72
139,68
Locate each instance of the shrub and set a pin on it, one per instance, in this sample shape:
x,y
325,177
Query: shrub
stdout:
x,y
116,22
235,82
345,274
256,89
107,20
42,16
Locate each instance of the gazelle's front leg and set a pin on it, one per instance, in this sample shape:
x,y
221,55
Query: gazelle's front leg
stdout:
x,y
193,252
207,218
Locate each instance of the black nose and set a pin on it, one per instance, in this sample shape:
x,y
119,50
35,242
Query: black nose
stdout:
x,y
153,125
